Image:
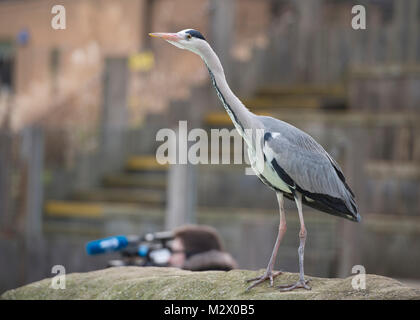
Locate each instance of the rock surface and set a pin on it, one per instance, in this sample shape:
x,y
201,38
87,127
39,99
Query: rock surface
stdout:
x,y
171,283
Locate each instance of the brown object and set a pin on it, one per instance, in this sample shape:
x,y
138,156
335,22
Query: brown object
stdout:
x,y
198,239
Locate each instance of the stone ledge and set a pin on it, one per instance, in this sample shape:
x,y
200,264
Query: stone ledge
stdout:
x,y
170,283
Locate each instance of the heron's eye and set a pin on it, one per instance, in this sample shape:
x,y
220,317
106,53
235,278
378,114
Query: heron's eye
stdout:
x,y
189,36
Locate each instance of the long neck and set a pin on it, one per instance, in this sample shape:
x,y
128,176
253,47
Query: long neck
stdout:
x,y
239,114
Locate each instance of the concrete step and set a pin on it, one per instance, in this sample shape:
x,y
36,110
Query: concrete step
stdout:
x,y
122,195
151,180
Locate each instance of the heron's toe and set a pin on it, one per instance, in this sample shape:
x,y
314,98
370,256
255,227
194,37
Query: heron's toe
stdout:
x,y
266,276
297,285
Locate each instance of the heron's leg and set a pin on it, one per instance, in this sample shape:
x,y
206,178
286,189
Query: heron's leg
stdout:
x,y
269,274
301,283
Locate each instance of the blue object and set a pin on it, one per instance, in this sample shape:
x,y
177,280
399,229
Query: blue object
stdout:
x,y
23,37
143,251
107,244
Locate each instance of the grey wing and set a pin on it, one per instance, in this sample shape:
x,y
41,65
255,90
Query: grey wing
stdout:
x,y
302,162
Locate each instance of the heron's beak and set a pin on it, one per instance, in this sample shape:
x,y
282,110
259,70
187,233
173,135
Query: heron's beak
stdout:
x,y
166,36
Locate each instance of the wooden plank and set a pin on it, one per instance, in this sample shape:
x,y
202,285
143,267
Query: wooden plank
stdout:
x,y
302,89
284,102
146,196
384,71
134,181
73,209
348,118
94,210
220,118
393,170
147,162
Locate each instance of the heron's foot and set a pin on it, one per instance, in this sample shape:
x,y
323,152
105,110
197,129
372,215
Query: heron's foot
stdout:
x,y
298,284
268,275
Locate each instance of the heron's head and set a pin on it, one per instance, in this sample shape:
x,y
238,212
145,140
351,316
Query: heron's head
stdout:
x,y
188,39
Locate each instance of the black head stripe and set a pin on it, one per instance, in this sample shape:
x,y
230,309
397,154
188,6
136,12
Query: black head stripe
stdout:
x,y
195,34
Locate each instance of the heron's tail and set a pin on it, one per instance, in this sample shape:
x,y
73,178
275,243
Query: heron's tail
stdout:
x,y
351,205
344,208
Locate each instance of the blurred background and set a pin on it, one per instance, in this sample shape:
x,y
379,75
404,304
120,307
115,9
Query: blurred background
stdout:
x,y
80,108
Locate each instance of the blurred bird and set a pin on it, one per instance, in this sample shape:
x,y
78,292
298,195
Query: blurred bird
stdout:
x,y
286,159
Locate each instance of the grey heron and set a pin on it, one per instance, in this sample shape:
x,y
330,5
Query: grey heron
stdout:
x,y
295,166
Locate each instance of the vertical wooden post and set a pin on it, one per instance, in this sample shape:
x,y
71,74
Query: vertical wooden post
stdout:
x,y
309,13
356,157
222,23
5,164
114,112
33,154
181,192
413,27
146,12
395,40
5,181
5,177
34,251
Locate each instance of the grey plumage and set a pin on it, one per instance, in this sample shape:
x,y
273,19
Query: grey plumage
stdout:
x,y
314,172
